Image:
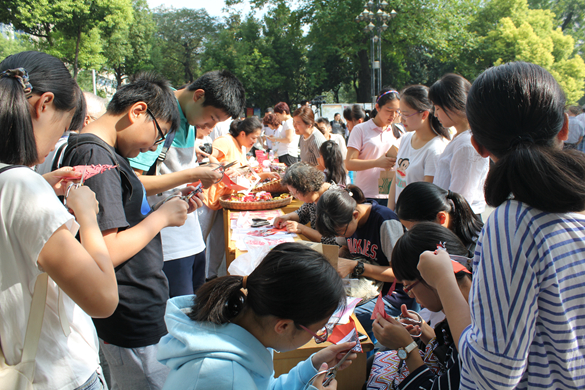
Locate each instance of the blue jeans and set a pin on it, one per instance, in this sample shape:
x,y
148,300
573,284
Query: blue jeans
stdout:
x,y
185,275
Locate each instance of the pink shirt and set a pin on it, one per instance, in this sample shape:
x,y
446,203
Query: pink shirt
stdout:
x,y
372,143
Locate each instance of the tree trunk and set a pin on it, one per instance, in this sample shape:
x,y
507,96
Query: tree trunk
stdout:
x,y
364,77
75,66
119,75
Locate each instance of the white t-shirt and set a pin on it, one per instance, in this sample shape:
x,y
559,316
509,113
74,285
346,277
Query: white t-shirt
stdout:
x,y
30,214
292,148
339,140
462,170
372,143
268,131
412,164
221,129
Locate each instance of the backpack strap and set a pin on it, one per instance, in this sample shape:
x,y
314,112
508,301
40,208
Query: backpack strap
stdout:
x,y
155,168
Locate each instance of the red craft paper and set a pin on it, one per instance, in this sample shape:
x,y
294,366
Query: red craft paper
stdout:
x,y
379,308
92,170
346,332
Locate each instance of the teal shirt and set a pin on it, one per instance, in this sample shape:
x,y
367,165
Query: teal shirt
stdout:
x,y
184,138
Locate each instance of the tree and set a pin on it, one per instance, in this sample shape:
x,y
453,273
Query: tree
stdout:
x,y
72,30
13,44
181,37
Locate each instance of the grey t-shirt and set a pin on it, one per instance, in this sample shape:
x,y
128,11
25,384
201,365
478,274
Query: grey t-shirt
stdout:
x,y
310,147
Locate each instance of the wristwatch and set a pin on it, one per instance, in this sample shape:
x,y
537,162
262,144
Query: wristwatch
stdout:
x,y
358,270
403,352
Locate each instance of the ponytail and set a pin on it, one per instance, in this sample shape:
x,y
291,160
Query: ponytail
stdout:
x,y
466,225
292,282
334,164
548,179
516,112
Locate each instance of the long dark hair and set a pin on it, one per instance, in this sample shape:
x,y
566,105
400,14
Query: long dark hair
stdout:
x,y
248,126
292,282
450,93
334,164
515,112
46,74
421,201
417,97
335,209
422,237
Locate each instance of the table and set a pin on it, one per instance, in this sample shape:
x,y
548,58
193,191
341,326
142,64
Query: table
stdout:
x,y
231,252
352,378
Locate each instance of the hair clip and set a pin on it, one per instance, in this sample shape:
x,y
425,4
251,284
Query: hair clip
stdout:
x,y
386,93
21,75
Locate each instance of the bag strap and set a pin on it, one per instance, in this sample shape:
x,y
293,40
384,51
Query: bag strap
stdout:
x,y
155,168
33,326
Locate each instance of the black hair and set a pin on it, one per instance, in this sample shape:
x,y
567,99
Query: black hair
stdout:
x,y
417,97
248,126
223,90
450,93
354,113
292,282
386,95
421,201
322,122
334,164
78,119
515,112
303,177
46,74
424,236
152,89
335,209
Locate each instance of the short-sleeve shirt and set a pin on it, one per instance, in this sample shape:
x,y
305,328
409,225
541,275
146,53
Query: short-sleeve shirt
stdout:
x,y
372,142
292,148
181,155
30,214
462,170
576,131
375,240
310,147
142,286
412,164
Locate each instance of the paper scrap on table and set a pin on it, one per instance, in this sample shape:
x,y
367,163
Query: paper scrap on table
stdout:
x,y
379,308
346,333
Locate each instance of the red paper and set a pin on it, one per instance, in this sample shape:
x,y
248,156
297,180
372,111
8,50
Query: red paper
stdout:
x,y
379,308
92,170
345,333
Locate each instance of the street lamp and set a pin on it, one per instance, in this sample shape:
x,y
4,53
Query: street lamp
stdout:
x,y
376,18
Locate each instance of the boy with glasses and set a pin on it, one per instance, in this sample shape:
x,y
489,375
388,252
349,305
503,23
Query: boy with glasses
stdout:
x,y
139,116
214,97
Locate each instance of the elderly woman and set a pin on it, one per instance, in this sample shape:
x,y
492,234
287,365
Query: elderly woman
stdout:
x,y
307,184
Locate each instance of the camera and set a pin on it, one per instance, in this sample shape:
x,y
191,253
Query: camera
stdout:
x,y
207,148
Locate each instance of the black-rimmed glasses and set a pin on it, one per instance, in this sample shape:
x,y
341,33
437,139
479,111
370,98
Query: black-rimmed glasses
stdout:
x,y
160,133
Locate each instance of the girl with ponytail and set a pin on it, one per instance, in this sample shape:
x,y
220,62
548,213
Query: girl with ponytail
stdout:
x,y
223,337
423,201
421,146
525,311
459,168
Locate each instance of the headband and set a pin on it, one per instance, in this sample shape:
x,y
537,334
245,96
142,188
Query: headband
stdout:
x,y
21,75
386,93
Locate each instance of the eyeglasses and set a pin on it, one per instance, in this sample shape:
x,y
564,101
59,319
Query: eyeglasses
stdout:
x,y
161,136
408,289
408,116
322,334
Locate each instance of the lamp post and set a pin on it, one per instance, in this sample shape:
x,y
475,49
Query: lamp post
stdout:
x,y
376,19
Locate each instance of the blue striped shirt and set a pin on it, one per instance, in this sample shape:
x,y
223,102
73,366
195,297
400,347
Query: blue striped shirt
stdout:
x,y
527,309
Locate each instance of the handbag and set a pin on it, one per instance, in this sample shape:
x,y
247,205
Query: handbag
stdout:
x,y
20,376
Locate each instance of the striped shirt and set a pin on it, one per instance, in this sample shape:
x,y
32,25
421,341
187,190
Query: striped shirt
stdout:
x,y
527,310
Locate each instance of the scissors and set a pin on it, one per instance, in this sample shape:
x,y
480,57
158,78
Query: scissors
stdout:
x,y
75,185
186,198
332,372
222,168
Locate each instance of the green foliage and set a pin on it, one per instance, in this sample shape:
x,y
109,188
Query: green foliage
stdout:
x,y
181,36
13,45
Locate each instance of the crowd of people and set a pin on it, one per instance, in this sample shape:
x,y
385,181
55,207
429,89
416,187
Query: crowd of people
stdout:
x,y
118,280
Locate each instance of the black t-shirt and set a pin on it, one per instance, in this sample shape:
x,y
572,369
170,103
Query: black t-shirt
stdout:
x,y
142,286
